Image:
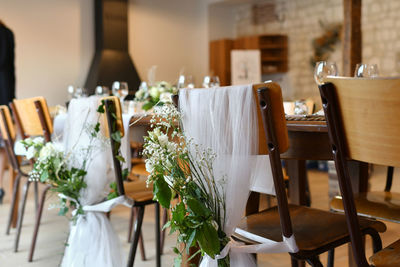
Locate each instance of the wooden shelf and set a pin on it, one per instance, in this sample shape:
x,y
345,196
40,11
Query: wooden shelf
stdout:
x,y
273,48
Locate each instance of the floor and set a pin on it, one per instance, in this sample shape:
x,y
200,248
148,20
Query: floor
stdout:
x,y
54,230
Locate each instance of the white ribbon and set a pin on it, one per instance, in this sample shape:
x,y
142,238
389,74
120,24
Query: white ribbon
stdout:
x,y
240,254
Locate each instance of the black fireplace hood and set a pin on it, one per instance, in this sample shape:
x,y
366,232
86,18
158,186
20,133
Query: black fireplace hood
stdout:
x,y
111,61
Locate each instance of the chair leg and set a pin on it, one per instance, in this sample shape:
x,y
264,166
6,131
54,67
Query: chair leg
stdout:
x,y
331,257
13,204
37,223
315,262
138,229
164,221
36,196
294,262
389,178
141,242
376,241
158,240
21,215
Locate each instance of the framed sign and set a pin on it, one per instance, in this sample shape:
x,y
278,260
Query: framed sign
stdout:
x,y
245,66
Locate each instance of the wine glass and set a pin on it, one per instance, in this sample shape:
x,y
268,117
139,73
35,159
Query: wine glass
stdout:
x,y
366,71
211,81
71,91
185,81
120,89
102,90
324,69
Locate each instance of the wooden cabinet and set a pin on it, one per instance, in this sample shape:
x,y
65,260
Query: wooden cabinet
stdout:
x,y
274,54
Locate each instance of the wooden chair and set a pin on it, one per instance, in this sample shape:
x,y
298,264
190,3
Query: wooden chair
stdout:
x,y
9,135
140,195
33,119
362,117
315,231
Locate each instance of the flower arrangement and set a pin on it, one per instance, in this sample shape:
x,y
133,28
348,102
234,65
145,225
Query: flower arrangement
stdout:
x,y
180,168
52,165
157,94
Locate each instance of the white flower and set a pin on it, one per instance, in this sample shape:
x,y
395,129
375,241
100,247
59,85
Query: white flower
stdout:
x,y
149,166
163,139
47,151
139,94
19,149
38,140
154,92
30,153
166,97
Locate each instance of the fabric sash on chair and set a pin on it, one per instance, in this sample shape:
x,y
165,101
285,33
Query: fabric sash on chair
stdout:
x,y
225,119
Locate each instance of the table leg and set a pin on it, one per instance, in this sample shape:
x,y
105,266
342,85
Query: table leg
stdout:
x,y
296,170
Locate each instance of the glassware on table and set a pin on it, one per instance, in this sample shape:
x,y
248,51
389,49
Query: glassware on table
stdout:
x,y
120,89
71,91
324,69
211,81
366,71
102,90
80,92
185,81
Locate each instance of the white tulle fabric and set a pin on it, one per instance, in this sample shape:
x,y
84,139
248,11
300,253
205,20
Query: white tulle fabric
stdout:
x,y
225,120
92,240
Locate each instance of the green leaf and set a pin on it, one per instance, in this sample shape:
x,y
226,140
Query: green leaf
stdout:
x,y
116,136
100,109
125,173
198,208
44,176
207,237
178,261
120,158
97,127
178,213
167,225
162,192
176,250
190,242
63,211
147,106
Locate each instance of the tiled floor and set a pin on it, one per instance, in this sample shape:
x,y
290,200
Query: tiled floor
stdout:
x,y
54,229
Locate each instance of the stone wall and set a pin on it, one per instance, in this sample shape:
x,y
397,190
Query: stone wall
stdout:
x,y
299,19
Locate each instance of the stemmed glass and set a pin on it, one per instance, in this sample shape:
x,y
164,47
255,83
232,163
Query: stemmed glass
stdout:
x,y
366,71
185,81
211,81
80,92
71,91
120,89
324,69
102,90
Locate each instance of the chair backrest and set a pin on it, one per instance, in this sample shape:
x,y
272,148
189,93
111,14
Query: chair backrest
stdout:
x,y
33,117
113,123
8,134
361,115
368,109
276,141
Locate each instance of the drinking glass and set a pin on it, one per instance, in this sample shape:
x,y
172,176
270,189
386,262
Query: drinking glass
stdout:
x,y
120,89
211,81
366,71
185,81
324,69
71,91
102,90
78,92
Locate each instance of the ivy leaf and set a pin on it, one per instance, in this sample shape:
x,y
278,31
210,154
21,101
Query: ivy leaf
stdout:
x,y
100,109
197,207
208,240
162,192
179,212
116,136
120,158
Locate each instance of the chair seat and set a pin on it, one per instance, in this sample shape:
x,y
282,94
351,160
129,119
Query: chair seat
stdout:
x,y
139,169
312,228
387,257
379,205
138,190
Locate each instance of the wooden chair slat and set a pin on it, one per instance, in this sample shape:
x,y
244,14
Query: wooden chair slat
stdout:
x,y
8,122
118,114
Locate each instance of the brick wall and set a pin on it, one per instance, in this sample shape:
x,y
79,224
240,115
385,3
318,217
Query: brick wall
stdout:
x,y
299,19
